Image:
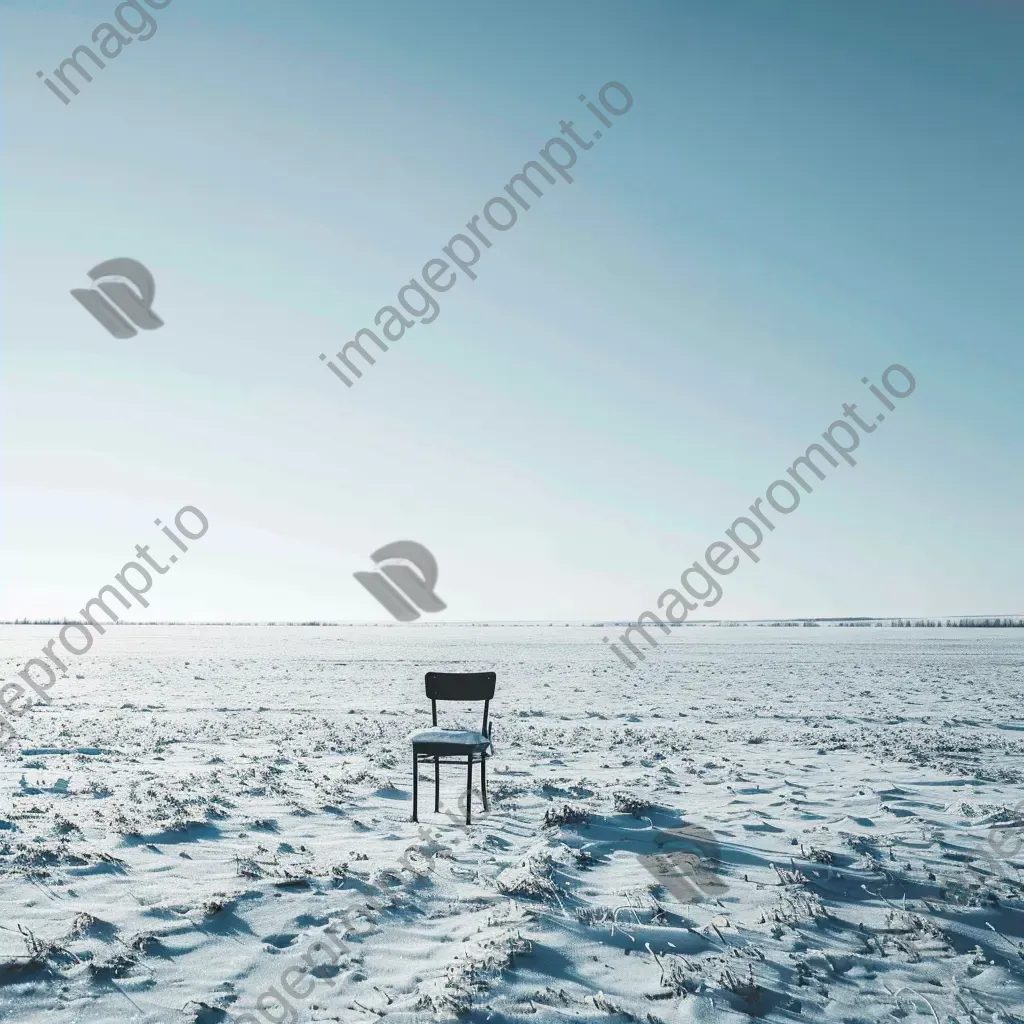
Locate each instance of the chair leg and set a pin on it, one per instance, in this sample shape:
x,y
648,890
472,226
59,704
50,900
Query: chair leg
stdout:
x,y
469,789
415,788
483,781
437,784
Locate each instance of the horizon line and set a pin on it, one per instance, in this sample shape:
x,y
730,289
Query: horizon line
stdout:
x,y
588,623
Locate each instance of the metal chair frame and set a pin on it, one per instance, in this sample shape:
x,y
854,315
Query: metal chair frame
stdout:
x,y
455,686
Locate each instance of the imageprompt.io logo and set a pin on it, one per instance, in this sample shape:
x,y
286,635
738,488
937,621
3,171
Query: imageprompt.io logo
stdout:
x,y
687,863
133,304
404,592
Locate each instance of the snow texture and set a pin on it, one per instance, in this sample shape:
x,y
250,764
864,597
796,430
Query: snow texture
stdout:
x,y
757,823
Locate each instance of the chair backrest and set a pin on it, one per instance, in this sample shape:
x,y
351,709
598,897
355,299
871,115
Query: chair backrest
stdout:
x,y
462,686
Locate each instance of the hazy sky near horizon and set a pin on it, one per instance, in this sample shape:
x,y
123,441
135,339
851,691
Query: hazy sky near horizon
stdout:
x,y
801,195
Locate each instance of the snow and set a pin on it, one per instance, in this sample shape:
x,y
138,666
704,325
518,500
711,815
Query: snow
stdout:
x,y
758,822
457,737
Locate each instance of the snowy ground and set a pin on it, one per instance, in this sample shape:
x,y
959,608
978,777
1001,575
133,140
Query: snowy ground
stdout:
x,y
182,827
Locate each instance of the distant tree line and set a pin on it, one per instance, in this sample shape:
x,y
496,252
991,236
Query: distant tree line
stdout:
x,y
996,622
990,623
1000,623
44,622
933,623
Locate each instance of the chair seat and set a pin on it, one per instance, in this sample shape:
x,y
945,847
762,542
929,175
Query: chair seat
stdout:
x,y
449,741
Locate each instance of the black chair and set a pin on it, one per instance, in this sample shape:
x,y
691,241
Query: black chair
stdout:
x,y
454,746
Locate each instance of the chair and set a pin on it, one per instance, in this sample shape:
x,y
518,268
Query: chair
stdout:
x,y
454,746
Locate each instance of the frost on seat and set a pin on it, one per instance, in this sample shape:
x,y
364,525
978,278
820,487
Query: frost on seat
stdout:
x,y
469,738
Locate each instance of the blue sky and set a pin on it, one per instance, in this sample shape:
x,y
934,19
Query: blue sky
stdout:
x,y
801,195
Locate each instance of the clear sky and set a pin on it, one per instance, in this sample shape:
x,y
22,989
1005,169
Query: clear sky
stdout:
x,y
802,194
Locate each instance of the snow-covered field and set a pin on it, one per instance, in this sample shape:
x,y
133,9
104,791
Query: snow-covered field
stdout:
x,y
180,829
